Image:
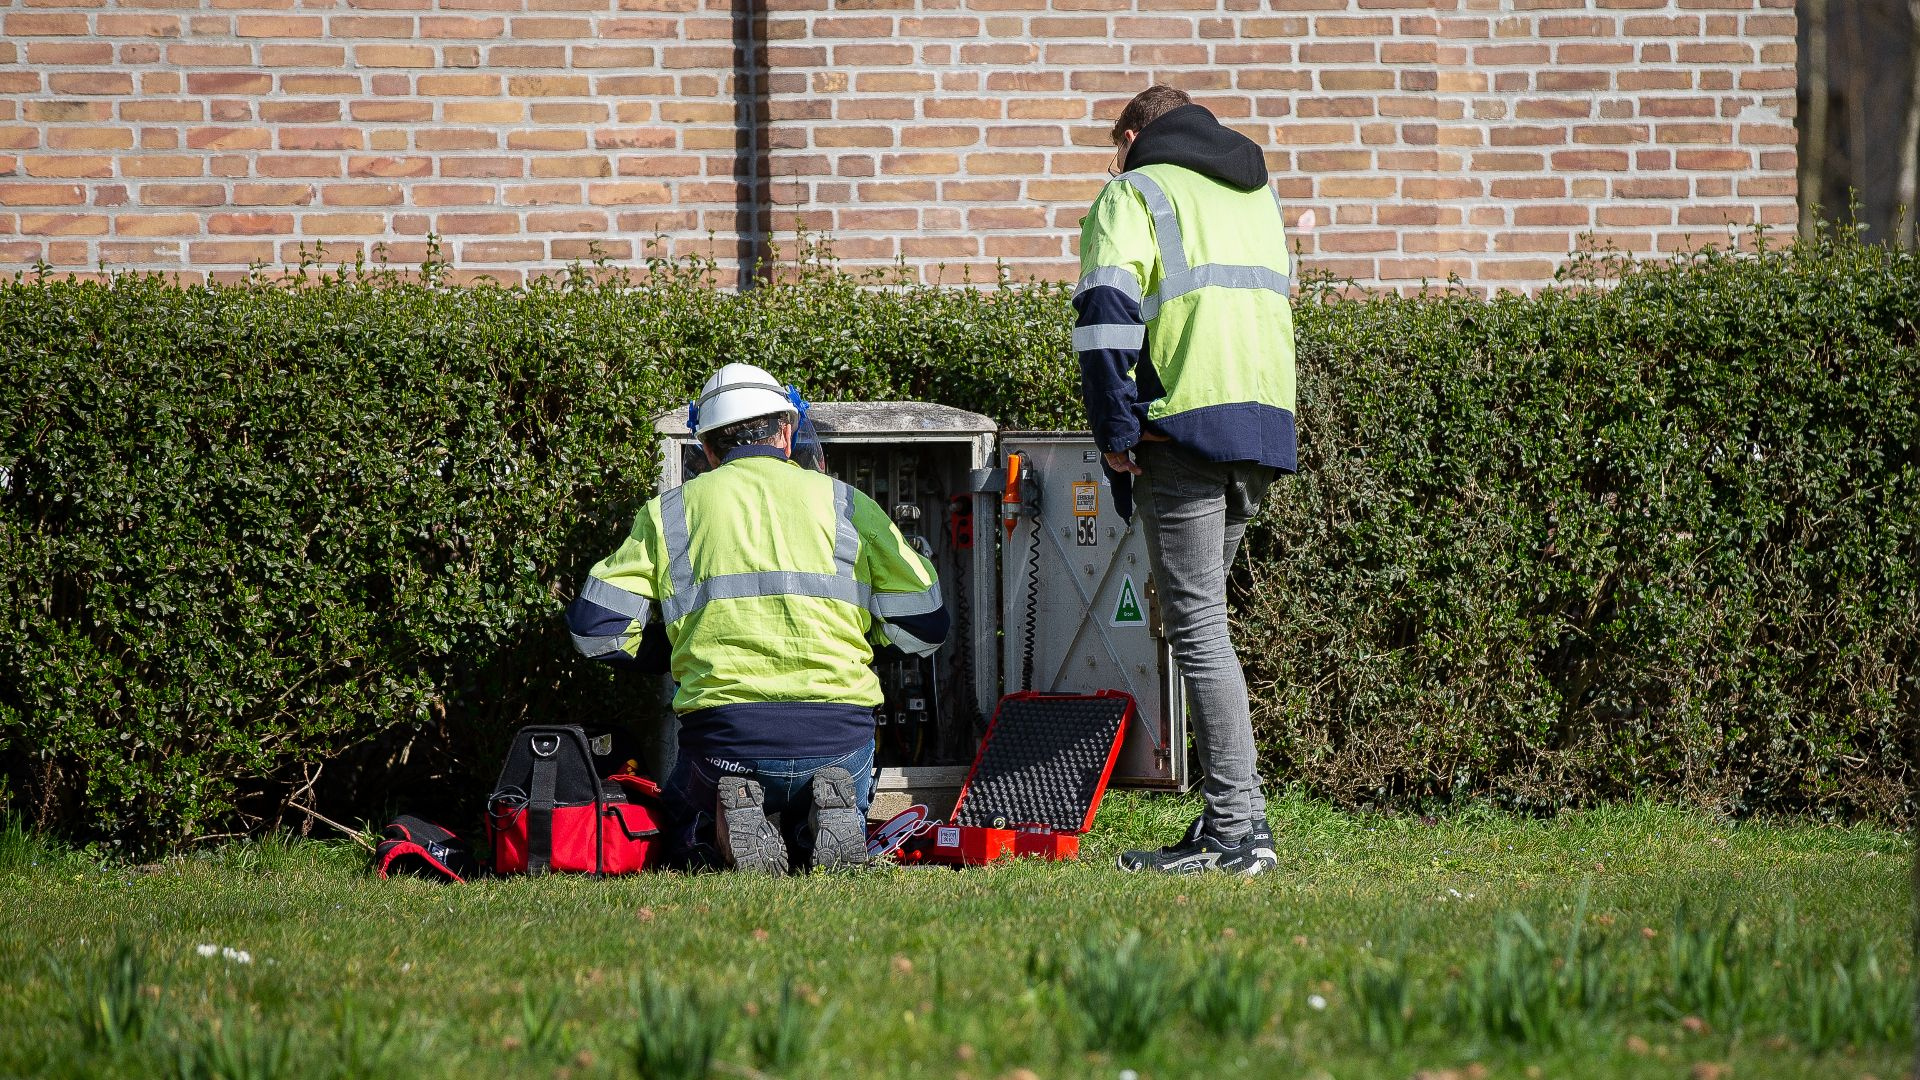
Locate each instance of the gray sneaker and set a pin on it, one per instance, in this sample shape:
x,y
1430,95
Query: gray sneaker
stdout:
x,y
748,841
839,830
1201,852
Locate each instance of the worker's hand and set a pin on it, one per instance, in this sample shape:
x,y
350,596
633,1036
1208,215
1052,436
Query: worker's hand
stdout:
x,y
1122,462
1153,436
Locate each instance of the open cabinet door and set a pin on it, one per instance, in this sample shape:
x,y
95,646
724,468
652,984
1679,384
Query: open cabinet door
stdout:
x,y
1078,612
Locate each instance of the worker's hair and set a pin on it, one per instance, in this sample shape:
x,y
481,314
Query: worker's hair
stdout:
x,y
758,429
1147,106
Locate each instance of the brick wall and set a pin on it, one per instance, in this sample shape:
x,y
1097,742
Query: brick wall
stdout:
x,y
1471,137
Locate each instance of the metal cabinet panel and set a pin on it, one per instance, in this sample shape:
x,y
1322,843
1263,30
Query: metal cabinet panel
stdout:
x,y
1077,600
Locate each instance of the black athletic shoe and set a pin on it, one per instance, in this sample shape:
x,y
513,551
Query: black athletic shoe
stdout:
x,y
748,841
1200,852
839,831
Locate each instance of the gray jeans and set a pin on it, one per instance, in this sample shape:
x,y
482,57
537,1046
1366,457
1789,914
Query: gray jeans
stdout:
x,y
1194,512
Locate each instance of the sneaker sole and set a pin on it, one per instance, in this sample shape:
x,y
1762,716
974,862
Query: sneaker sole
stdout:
x,y
839,832
748,841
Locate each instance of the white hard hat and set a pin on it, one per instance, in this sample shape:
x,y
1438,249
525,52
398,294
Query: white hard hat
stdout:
x,y
739,392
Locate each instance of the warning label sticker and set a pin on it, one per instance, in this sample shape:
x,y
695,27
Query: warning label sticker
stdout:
x,y
1086,498
1126,610
947,836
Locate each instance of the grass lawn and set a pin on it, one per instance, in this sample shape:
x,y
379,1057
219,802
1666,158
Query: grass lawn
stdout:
x,y
1382,947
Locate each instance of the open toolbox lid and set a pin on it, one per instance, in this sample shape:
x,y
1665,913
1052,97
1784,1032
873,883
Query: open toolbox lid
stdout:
x,y
1045,761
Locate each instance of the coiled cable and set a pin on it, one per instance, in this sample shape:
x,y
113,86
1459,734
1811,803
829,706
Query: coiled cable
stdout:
x,y
1033,609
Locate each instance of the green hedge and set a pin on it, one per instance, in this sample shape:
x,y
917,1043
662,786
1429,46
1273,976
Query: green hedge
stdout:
x,y
316,533
1652,539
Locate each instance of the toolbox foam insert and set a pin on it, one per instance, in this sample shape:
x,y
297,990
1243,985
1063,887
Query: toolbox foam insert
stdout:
x,y
1045,761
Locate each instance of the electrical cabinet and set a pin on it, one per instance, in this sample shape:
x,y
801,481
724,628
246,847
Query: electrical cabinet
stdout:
x,y
1048,591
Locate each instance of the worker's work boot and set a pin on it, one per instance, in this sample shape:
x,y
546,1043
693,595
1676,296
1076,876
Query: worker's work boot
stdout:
x,y
839,830
748,841
1199,852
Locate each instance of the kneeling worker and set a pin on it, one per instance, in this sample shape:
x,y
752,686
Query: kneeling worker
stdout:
x,y
774,584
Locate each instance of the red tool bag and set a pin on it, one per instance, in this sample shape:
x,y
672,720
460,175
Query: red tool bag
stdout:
x,y
553,811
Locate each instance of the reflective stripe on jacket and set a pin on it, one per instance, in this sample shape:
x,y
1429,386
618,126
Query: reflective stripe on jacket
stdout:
x,y
774,582
1184,321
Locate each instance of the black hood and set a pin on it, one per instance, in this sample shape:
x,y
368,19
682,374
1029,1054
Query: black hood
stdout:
x,y
1191,138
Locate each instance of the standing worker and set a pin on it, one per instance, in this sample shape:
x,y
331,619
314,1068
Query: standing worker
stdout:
x,y
1185,339
772,585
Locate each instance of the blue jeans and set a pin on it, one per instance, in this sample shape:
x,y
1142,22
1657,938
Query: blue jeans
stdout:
x,y
692,787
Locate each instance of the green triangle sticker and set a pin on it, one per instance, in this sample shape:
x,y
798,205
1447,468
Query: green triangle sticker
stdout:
x,y
1127,611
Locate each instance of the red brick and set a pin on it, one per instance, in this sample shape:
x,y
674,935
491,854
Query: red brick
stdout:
x,y
288,166
583,167
230,252
1717,53
249,224
1655,79
476,224
300,112
143,224
322,138
69,52
1713,160
1340,80
182,195
545,112
1590,161
471,27
1611,134
63,224
395,56
547,140
97,138
538,195
18,194
354,27
321,84
90,82
21,24
208,54
638,138
459,85
279,26
67,166
1511,55
573,220
1721,134
389,167
161,165
342,224
1650,188
482,112
627,193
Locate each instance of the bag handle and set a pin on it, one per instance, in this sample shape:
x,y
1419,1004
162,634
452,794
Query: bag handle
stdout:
x,y
637,783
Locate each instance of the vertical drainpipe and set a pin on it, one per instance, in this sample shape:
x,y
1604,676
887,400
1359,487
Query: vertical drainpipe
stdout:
x,y
749,119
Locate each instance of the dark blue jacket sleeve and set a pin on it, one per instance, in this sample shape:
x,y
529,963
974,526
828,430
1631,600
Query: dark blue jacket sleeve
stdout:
x,y
1109,337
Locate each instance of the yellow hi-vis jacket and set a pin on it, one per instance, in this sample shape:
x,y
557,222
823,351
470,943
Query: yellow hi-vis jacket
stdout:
x,y
1184,323
774,582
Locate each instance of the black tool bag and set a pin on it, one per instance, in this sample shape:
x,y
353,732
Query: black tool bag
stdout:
x,y
565,803
411,845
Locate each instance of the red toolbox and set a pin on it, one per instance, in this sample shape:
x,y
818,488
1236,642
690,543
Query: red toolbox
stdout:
x,y
1036,782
